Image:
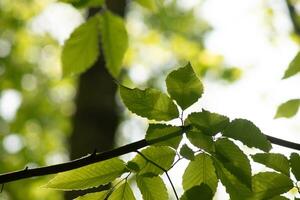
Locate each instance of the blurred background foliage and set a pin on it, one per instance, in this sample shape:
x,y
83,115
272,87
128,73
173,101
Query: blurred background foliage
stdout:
x,y
36,102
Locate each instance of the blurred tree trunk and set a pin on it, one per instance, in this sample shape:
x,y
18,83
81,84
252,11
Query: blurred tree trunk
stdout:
x,y
96,119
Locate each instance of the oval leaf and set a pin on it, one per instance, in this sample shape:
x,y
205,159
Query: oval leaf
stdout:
x,y
114,41
149,103
200,170
89,176
288,109
246,132
275,161
152,188
123,192
234,160
293,68
184,86
82,48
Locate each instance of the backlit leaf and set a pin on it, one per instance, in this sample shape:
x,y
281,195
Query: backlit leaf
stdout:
x,y
89,176
295,165
207,122
269,184
288,109
234,160
199,192
123,192
149,103
200,170
94,196
197,138
157,131
152,188
114,41
186,152
148,4
293,68
246,132
184,86
275,161
84,3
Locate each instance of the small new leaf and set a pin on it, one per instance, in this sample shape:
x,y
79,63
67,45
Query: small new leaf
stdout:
x,y
184,86
266,185
123,192
186,152
157,132
275,161
246,132
293,68
295,165
200,170
89,176
149,103
199,192
207,122
152,188
81,50
288,109
114,41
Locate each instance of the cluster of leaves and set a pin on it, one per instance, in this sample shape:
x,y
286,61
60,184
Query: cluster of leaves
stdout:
x,y
290,108
218,158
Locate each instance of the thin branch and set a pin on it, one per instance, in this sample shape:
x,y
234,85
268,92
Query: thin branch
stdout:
x,y
165,171
284,143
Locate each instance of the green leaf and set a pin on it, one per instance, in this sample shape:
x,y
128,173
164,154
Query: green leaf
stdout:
x,y
94,196
184,86
269,184
114,41
200,170
247,133
163,156
202,192
149,103
123,192
84,3
295,165
234,160
89,176
81,50
293,68
152,188
280,198
148,4
275,161
186,152
162,131
207,122
234,187
288,109
197,138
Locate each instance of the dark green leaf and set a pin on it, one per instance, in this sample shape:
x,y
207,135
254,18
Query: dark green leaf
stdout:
x,y
163,131
200,140
184,86
247,133
200,170
94,196
288,109
202,192
114,41
295,165
280,198
234,187
152,188
293,68
234,160
89,176
163,156
266,185
123,192
275,161
186,152
82,48
149,103
209,123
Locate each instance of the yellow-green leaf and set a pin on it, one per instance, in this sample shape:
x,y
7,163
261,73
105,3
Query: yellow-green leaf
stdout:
x,y
94,196
288,109
149,103
114,39
123,192
81,50
293,68
152,188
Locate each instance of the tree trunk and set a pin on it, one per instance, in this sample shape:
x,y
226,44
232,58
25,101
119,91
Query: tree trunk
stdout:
x,y
96,119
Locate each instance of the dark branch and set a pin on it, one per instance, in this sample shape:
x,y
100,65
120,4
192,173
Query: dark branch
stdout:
x,y
93,158
293,16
